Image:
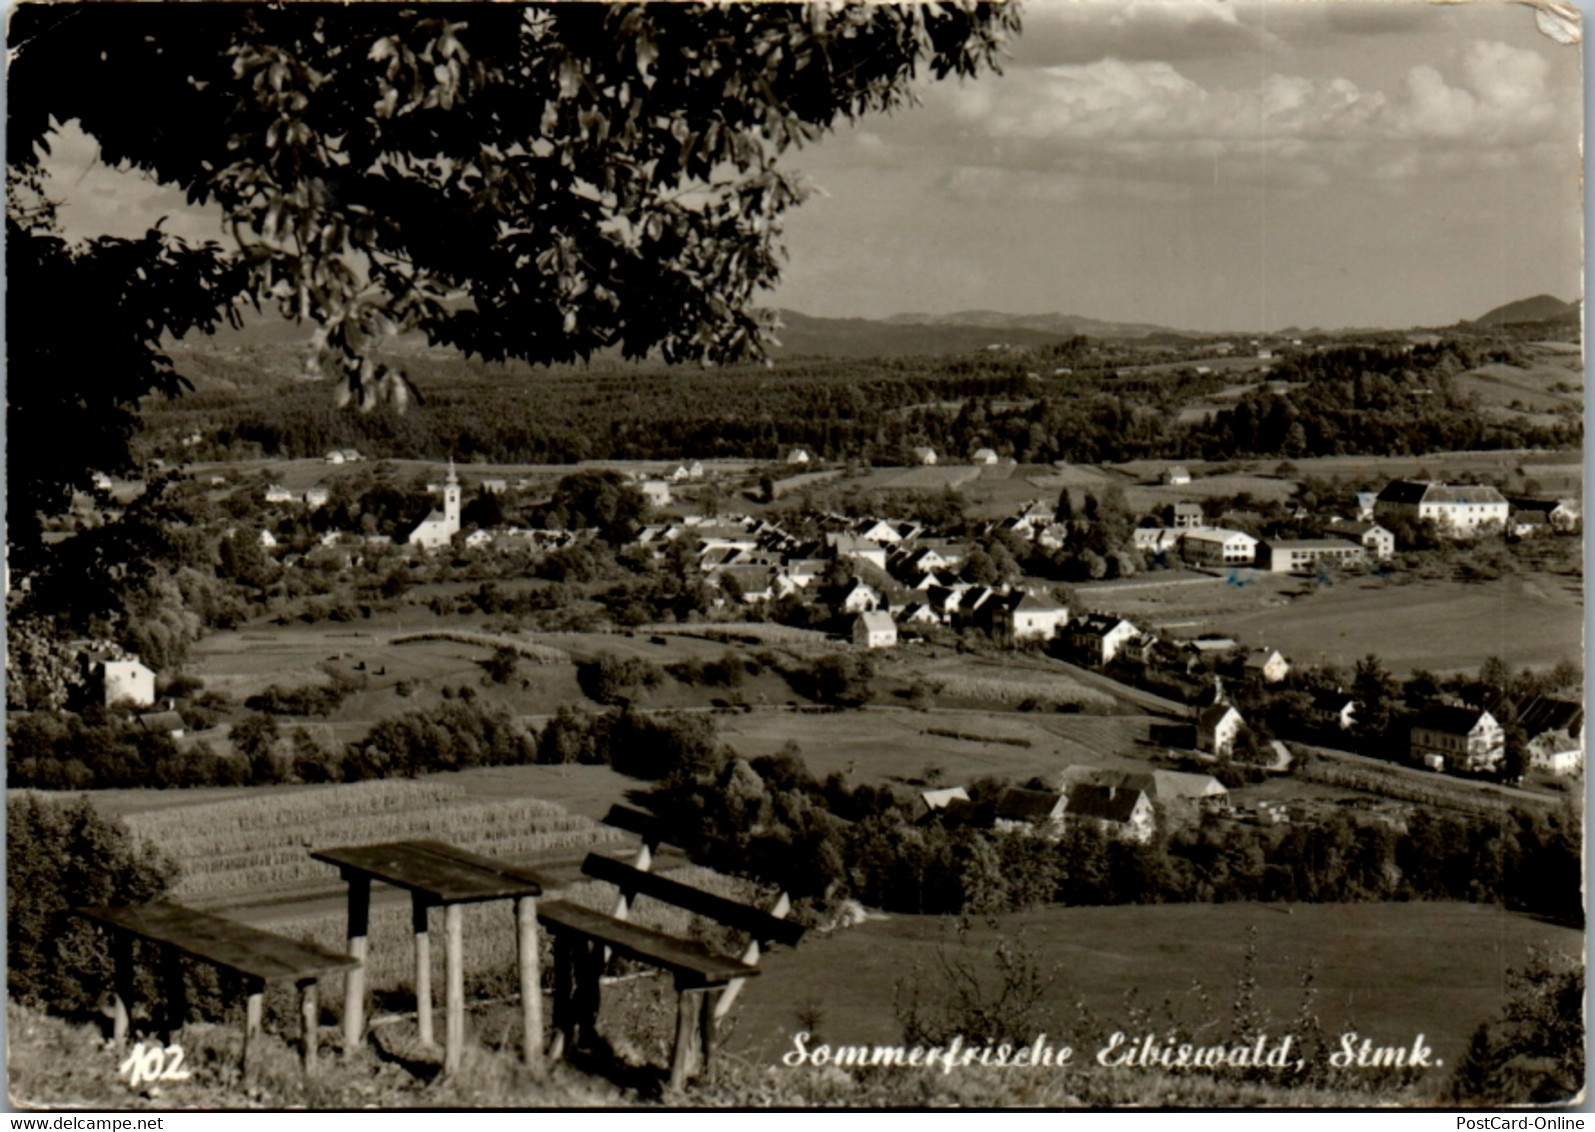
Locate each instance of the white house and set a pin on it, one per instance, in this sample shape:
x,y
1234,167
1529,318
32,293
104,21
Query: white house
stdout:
x,y
1306,555
268,540
1555,730
335,457
1098,637
874,629
858,597
1457,738
277,493
1458,510
316,497
1217,727
1188,515
984,456
439,527
1376,540
1117,810
1176,474
1334,709
1267,665
656,492
797,456
128,679
1034,616
1217,546
495,486
925,455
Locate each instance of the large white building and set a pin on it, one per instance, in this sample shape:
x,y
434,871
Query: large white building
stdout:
x,y
438,528
1459,510
1217,546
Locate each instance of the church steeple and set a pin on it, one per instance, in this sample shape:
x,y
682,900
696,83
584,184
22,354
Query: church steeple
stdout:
x,y
451,499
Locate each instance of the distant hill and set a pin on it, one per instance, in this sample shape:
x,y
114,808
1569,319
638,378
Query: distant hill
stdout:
x,y
863,337
1066,325
1541,308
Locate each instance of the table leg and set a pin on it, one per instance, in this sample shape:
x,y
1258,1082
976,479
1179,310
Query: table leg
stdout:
x,y
254,1008
122,998
176,993
454,962
423,969
531,983
354,987
689,1005
309,1023
707,1013
564,996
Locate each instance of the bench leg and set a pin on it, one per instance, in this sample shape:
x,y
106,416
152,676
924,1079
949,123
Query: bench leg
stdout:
x,y
564,996
176,993
454,961
707,1014
254,1008
586,988
122,996
309,1023
423,969
354,987
689,1025
531,983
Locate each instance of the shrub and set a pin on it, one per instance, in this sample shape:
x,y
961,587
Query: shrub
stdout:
x,y
62,855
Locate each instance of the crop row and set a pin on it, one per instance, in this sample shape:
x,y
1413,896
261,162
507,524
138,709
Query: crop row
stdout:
x,y
1005,691
542,654
1372,780
266,812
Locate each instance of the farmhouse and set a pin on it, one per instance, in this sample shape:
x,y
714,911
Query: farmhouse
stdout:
x,y
1025,616
163,723
1334,709
874,629
858,596
1373,538
1116,810
656,492
1217,546
1037,810
316,497
277,493
1267,665
1216,729
335,456
984,456
1445,736
797,456
1098,637
1176,474
1556,734
1158,785
116,681
1557,514
925,456
863,549
439,527
937,800
1458,510
1306,555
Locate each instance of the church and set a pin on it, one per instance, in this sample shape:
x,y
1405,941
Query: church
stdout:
x,y
438,528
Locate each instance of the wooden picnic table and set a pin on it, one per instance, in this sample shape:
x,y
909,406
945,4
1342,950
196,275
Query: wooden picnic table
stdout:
x,y
437,874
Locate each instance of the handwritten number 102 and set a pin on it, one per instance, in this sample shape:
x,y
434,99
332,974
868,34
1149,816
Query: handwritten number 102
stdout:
x,y
153,1063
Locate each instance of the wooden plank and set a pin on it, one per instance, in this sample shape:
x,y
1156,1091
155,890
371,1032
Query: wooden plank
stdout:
x,y
445,874
686,958
684,1058
309,1023
640,822
354,987
226,943
762,926
254,1008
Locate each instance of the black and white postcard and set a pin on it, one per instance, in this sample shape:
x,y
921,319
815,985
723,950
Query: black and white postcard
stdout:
x,y
845,555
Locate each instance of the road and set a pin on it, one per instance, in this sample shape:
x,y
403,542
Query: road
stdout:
x,y
1431,778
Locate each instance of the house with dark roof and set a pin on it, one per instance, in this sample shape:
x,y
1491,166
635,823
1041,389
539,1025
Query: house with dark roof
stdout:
x,y
1458,510
1023,616
1334,709
1451,737
1040,811
1376,540
1555,730
1098,637
1217,727
1188,515
1116,810
1266,665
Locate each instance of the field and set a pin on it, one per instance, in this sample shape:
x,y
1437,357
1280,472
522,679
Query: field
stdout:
x,y
1389,971
1531,620
881,744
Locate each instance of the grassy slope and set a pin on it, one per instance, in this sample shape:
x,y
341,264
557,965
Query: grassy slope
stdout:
x,y
1389,971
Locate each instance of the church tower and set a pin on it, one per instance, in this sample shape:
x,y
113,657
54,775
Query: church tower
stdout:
x,y
451,500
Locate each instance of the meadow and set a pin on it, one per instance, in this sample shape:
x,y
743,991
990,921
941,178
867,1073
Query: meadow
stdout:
x,y
1380,969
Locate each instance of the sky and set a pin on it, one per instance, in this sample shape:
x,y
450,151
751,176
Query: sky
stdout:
x,y
1215,165
1208,165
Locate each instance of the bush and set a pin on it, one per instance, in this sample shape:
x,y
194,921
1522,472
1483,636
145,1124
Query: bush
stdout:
x,y
61,855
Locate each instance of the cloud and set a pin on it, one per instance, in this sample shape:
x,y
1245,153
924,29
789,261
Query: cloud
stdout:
x,y
1151,116
1087,30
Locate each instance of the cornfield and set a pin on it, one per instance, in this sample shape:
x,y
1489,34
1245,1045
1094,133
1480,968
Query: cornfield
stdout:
x,y
1004,690
541,654
1438,792
264,843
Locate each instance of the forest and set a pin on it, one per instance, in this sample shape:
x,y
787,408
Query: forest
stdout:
x,y
1345,401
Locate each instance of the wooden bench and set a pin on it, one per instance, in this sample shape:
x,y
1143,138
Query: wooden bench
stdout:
x,y
260,957
706,982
